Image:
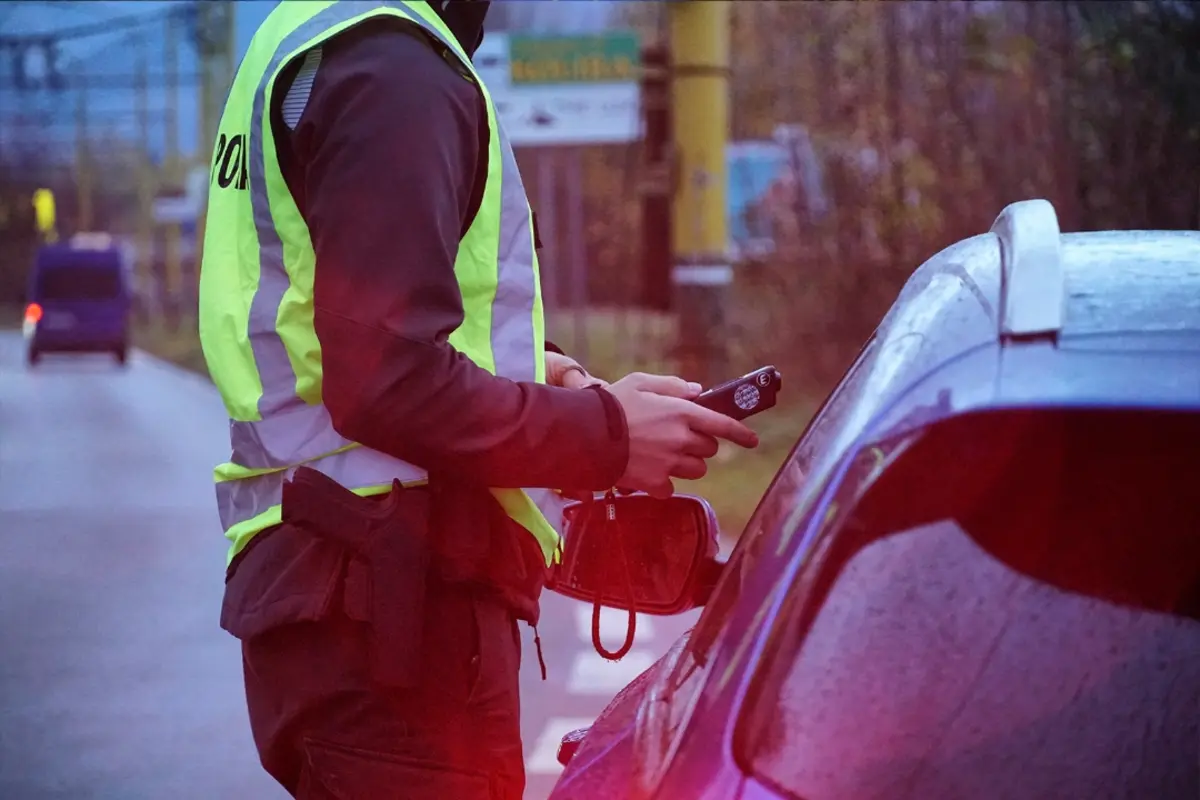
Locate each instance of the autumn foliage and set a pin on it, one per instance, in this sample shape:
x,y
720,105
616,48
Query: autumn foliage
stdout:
x,y
926,118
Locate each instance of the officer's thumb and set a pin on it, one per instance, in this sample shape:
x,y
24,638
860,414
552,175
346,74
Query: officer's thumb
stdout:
x,y
666,385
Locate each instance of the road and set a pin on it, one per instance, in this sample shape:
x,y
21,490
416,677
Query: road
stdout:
x,y
115,679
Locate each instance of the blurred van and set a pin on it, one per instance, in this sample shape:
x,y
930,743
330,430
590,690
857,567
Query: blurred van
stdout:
x,y
79,299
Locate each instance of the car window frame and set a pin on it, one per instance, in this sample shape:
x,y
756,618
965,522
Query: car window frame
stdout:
x,y
708,633
816,423
49,280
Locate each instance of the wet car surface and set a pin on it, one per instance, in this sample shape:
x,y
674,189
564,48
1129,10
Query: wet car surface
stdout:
x,y
929,659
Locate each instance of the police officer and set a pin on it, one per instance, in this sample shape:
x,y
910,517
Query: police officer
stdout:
x,y
371,313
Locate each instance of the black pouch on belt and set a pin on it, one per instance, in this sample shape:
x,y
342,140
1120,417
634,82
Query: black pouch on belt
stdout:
x,y
391,536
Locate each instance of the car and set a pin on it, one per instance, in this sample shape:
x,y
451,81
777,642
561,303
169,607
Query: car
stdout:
x,y
977,574
79,299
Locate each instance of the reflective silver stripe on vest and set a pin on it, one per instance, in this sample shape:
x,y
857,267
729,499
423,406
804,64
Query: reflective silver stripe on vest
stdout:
x,y
291,431
513,344
245,499
551,504
241,500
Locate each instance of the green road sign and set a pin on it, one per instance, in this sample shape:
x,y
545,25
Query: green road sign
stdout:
x,y
611,58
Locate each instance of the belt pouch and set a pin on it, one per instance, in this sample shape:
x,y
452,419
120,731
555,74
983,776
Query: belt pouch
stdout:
x,y
391,537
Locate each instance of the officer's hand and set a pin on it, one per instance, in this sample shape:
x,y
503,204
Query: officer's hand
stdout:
x,y
670,436
566,372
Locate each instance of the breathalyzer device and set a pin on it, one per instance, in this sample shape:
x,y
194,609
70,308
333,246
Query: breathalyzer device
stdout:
x,y
745,396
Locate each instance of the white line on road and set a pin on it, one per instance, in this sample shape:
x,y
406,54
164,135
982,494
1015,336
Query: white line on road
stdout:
x,y
613,623
543,759
592,674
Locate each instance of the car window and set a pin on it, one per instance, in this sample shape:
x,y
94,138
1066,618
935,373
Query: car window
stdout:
x,y
1014,606
78,283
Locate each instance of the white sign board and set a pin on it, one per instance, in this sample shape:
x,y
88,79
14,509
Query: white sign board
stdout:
x,y
557,111
183,208
174,209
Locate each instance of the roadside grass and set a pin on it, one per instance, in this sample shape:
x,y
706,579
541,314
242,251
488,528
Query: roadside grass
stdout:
x,y
611,343
10,317
179,346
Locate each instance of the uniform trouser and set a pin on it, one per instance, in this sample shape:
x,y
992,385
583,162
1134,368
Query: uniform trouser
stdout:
x,y
324,729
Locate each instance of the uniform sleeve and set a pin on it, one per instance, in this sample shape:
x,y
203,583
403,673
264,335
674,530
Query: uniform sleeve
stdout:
x,y
387,148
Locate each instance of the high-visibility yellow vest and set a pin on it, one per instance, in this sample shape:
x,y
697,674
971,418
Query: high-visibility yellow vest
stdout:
x,y
256,287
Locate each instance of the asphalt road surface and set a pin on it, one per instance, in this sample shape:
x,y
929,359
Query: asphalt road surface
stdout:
x,y
115,679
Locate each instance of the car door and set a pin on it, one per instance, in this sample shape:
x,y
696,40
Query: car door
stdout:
x,y
659,703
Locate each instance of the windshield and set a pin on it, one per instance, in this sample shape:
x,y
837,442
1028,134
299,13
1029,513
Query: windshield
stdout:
x,y
1011,608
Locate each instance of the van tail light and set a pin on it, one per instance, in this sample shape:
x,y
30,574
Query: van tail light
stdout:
x,y
33,313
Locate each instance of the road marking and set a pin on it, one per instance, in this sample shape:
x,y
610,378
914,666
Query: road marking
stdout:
x,y
543,759
613,623
592,674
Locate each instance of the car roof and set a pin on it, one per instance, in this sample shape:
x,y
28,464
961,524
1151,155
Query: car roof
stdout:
x,y
1113,282
57,254
1122,283
1132,281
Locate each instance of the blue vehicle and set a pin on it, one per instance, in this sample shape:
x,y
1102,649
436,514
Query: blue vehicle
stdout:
x,y
79,299
976,575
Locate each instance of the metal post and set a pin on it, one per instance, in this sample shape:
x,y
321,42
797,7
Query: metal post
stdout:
x,y
577,246
173,182
145,179
83,171
215,34
655,186
699,37
549,264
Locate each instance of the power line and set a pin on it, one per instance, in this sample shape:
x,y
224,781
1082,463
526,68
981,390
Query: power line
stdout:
x,y
65,6
94,114
106,82
128,22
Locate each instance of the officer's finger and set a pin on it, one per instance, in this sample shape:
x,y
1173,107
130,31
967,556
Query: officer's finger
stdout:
x,y
662,490
690,468
700,445
667,385
703,420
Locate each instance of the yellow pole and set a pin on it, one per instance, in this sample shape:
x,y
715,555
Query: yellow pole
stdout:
x,y
83,174
45,215
699,43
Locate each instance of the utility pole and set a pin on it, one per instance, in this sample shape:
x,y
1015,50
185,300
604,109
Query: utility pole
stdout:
x,y
214,37
146,189
173,180
656,184
83,167
699,41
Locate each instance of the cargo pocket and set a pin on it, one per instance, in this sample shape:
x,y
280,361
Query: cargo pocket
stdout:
x,y
340,772
285,577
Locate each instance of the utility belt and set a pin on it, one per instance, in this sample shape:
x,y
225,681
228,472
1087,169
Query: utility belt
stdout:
x,y
407,540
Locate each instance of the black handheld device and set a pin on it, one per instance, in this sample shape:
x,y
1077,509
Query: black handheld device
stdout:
x,y
745,396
